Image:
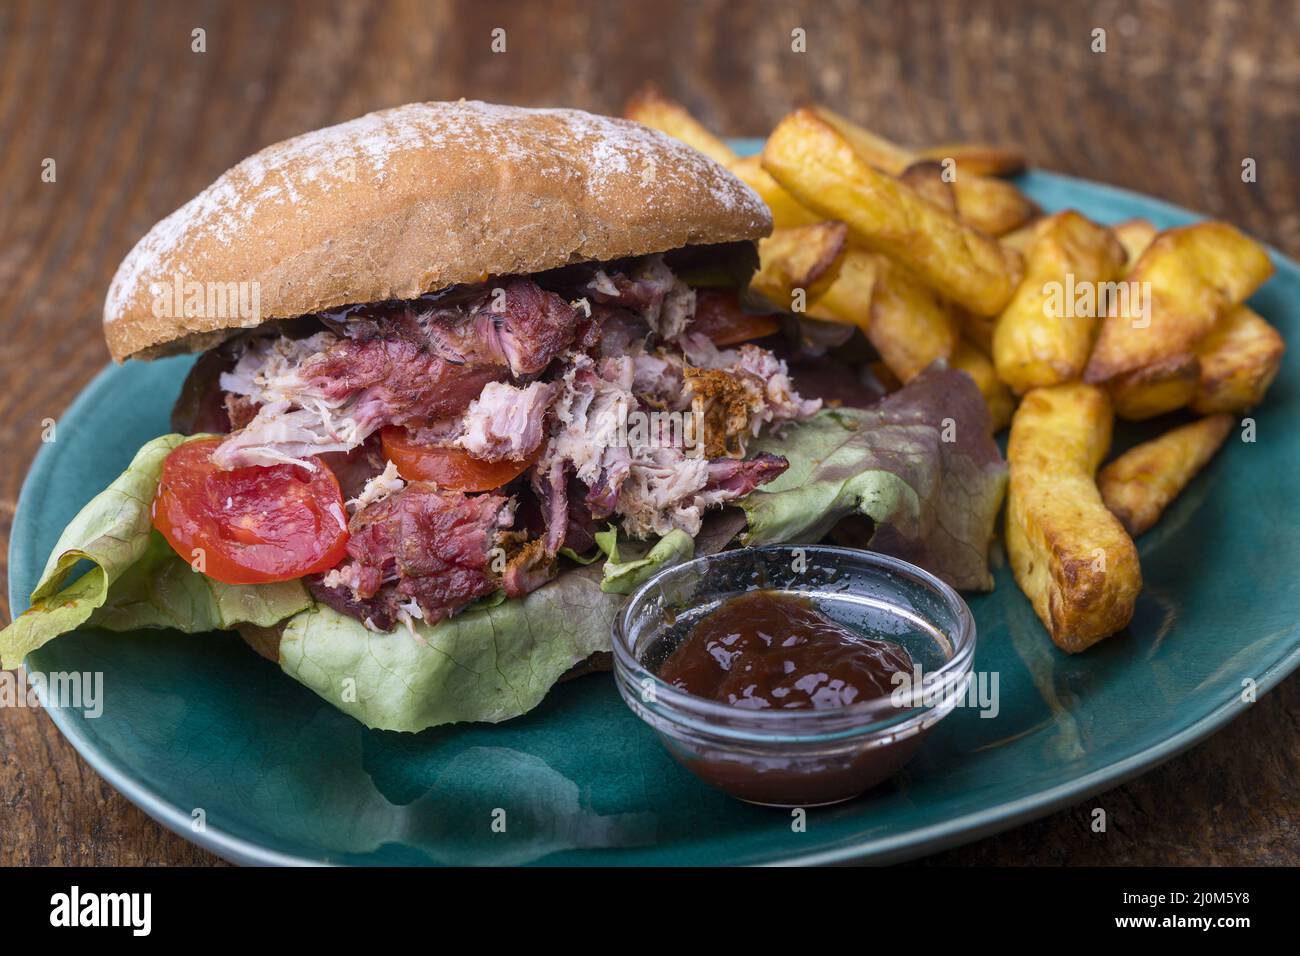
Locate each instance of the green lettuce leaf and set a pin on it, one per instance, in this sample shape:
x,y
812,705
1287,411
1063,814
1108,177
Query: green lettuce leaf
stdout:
x,y
486,664
162,590
625,576
921,464
134,579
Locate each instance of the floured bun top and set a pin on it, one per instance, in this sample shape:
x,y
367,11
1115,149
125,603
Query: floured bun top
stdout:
x,y
408,201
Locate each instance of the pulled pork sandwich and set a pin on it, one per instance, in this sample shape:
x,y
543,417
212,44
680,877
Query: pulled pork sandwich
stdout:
x,y
468,374
463,350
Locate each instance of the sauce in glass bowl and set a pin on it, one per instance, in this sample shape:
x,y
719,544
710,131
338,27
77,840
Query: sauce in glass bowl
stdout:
x,y
793,676
771,650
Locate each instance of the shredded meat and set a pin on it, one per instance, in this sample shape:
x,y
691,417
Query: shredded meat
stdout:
x,y
376,613
651,291
354,469
655,480
735,477
592,368
425,545
530,568
329,392
566,518
506,422
391,375
724,405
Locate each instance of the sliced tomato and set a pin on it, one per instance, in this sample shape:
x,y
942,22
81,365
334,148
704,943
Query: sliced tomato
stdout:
x,y
448,466
718,315
249,525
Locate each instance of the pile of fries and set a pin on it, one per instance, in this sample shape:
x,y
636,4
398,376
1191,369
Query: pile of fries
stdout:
x,y
1062,322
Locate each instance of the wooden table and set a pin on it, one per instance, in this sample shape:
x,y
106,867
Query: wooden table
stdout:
x,y
137,123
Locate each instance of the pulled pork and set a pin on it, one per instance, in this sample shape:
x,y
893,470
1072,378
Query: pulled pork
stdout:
x,y
420,552
590,372
330,391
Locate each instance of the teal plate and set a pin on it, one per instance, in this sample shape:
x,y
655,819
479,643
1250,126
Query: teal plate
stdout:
x,y
200,723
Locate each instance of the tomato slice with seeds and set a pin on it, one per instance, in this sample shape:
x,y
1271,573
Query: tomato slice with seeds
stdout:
x,y
250,525
450,467
718,314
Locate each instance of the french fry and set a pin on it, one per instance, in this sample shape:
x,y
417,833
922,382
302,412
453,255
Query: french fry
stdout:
x,y
1139,484
1070,555
1156,389
977,328
848,299
1232,367
910,327
810,159
927,179
1038,340
968,358
1134,235
886,156
905,322
651,108
979,159
800,259
1164,386
1238,361
1020,238
1194,274
993,206
786,210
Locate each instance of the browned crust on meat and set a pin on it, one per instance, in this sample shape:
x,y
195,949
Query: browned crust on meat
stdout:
x,y
413,199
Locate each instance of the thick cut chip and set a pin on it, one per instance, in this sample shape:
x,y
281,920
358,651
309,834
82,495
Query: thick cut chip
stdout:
x,y
1187,278
981,159
969,358
800,259
993,206
813,161
1070,555
910,326
1045,334
1238,361
1139,484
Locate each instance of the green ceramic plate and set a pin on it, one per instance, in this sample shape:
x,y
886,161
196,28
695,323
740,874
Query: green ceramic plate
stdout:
x,y
201,723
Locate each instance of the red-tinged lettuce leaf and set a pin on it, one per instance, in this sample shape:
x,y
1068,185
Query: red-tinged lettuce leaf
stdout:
x,y
921,464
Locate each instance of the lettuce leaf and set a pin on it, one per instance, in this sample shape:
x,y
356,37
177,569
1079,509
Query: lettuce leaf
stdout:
x,y
625,576
134,579
162,590
921,464
485,664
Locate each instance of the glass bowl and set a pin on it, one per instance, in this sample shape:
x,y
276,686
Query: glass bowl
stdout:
x,y
798,758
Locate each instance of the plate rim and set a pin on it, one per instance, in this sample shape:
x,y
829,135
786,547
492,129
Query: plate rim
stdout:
x,y
881,850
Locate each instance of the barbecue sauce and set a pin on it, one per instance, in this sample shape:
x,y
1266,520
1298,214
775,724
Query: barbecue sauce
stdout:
x,y
768,650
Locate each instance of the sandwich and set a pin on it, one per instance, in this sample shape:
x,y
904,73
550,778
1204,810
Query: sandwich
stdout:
x,y
465,375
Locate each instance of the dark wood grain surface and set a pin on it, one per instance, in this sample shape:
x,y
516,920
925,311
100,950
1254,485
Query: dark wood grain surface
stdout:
x,y
137,123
